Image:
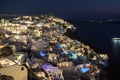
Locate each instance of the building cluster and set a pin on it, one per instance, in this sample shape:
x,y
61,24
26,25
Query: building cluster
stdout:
x,y
40,45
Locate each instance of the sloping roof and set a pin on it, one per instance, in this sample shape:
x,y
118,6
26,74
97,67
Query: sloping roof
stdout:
x,y
49,67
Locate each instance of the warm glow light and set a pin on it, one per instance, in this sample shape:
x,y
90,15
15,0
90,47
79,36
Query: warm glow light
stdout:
x,y
115,38
116,42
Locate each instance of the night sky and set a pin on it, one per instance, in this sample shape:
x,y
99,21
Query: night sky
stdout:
x,y
70,9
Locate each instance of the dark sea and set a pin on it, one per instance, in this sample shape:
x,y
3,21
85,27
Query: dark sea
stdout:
x,y
99,37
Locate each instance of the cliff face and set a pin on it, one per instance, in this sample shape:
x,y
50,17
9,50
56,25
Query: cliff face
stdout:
x,y
45,41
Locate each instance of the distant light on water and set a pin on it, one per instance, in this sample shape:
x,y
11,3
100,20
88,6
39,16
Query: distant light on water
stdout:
x,y
116,43
115,48
116,40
